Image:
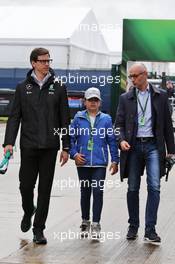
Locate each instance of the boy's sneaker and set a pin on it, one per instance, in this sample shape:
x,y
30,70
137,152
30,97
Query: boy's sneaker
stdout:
x,y
132,232
95,230
85,228
151,236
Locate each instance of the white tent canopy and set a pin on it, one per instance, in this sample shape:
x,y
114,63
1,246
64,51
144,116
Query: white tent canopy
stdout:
x,y
71,34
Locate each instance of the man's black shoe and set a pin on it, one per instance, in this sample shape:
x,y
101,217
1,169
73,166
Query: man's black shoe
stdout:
x,y
26,221
151,236
132,233
39,238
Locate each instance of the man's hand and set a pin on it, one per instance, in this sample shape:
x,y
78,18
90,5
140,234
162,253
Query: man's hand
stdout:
x,y
125,145
113,168
170,156
8,148
79,159
64,156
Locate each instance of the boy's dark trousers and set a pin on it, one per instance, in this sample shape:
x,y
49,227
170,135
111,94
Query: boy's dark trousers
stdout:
x,y
91,181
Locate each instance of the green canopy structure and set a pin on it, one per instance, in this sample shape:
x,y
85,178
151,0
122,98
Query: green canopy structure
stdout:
x,y
148,40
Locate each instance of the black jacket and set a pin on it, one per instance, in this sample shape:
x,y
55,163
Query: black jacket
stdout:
x,y
40,112
126,123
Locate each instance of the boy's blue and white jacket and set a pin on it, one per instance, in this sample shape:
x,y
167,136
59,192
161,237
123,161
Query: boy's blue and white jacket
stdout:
x,y
103,136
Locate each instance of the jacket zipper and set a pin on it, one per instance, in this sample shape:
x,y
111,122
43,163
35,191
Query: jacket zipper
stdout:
x,y
95,123
80,149
91,150
103,154
91,157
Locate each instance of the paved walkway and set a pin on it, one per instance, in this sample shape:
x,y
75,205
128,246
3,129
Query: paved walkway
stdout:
x,y
64,244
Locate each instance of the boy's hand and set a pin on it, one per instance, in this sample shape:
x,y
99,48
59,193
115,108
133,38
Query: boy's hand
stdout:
x,y
79,159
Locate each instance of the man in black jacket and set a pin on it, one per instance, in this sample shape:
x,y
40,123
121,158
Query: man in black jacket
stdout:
x,y
41,106
144,121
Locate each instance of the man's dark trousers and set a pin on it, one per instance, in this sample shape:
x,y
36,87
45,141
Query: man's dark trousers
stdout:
x,y
144,154
36,162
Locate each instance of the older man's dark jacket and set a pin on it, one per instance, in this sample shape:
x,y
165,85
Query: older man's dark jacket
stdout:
x,y
127,123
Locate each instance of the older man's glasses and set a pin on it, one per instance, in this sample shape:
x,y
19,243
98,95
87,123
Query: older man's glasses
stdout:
x,y
45,61
134,76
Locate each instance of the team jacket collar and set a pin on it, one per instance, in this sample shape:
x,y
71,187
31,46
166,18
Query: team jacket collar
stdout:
x,y
50,79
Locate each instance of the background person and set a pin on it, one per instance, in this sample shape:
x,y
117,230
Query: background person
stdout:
x,y
171,93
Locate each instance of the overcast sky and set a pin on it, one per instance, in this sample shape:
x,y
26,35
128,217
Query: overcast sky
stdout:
x,y
111,12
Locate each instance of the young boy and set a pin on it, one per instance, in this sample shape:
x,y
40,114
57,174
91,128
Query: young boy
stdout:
x,y
92,134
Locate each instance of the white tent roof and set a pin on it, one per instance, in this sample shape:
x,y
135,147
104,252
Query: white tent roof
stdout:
x,y
51,24
39,22
73,33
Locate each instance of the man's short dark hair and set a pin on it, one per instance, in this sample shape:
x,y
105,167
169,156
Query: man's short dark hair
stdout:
x,y
38,52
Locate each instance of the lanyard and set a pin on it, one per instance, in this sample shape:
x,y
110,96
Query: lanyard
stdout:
x,y
143,108
90,141
91,126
